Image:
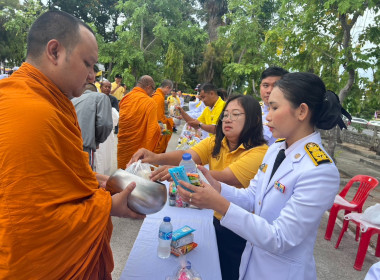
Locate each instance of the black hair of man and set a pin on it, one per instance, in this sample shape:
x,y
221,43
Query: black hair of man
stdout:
x,y
54,25
273,71
222,93
207,87
166,83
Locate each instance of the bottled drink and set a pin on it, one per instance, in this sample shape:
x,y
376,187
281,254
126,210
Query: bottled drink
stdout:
x,y
172,196
188,163
164,238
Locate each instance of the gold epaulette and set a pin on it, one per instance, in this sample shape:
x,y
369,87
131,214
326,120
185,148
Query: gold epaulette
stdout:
x,y
280,140
317,155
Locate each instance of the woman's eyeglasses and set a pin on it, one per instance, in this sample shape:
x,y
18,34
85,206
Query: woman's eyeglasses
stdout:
x,y
234,115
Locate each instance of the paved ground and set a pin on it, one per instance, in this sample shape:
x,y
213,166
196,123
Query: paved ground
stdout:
x,y
331,263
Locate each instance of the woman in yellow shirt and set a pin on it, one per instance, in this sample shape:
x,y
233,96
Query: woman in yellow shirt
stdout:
x,y
234,155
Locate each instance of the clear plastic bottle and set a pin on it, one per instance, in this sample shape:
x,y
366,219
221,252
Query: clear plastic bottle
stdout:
x,y
188,163
164,238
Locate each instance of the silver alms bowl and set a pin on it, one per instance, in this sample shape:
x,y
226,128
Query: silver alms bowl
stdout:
x,y
147,198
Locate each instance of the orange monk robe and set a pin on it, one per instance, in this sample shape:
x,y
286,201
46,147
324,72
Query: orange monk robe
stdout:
x,y
138,125
159,97
54,220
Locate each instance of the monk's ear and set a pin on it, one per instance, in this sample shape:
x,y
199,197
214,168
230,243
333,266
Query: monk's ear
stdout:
x,y
54,50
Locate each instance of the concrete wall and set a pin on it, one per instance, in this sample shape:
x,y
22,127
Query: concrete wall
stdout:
x,y
356,138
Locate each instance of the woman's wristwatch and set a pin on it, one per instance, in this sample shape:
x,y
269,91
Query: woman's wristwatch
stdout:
x,y
200,125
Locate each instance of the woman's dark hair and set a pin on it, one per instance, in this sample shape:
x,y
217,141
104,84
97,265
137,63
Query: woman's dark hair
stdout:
x,y
308,88
252,133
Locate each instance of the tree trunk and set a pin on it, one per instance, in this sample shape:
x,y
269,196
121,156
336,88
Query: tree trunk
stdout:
x,y
253,88
142,34
334,136
331,142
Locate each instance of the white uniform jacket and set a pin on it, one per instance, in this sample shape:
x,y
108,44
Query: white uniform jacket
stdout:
x,y
374,272
288,209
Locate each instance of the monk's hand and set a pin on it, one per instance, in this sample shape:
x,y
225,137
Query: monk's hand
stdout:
x,y
213,182
204,196
120,206
143,154
161,173
194,123
102,179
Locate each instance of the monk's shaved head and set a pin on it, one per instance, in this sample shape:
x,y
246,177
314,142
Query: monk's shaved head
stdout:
x,y
145,81
57,25
166,83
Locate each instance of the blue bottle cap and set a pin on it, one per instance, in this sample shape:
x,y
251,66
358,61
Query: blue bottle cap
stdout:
x,y
186,156
166,219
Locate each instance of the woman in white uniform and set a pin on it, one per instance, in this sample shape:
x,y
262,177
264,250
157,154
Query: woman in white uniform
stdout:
x,y
279,213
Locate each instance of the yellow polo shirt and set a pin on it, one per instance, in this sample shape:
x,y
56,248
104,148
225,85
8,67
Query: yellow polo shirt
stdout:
x,y
243,163
211,116
119,93
173,101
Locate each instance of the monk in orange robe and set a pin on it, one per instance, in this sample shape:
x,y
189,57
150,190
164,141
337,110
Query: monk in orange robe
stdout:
x,y
159,97
138,123
55,220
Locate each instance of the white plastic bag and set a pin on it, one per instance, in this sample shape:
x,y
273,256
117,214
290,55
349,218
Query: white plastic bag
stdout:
x,y
140,169
372,214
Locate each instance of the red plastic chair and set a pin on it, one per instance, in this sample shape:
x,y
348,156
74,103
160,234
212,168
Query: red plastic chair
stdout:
x,y
365,238
367,184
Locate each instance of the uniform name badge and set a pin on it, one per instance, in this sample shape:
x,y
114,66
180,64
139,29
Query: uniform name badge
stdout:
x,y
280,187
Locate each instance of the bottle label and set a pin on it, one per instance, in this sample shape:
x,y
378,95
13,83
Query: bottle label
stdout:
x,y
165,235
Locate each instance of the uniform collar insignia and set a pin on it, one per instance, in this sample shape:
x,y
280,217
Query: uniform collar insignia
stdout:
x,y
263,167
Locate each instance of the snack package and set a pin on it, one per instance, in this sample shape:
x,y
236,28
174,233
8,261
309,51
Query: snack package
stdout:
x,y
194,179
183,241
183,250
178,173
181,232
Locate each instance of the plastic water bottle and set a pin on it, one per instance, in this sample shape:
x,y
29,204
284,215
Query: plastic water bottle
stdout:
x,y
188,163
164,238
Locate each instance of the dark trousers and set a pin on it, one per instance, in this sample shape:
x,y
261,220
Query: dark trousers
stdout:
x,y
230,247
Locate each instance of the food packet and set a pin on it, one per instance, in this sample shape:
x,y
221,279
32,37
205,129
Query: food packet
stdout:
x,y
140,169
184,271
183,250
183,241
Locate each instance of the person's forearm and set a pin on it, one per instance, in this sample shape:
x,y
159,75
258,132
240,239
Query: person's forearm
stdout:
x,y
227,179
221,206
169,158
210,128
185,116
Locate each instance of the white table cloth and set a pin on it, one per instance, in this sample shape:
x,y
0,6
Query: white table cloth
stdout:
x,y
143,262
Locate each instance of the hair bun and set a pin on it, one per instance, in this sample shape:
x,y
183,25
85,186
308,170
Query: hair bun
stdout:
x,y
331,112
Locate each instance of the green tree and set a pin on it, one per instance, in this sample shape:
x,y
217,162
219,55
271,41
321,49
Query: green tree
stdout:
x,y
174,64
17,20
145,34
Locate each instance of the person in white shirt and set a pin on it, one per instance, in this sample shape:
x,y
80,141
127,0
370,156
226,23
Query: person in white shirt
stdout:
x,y
280,212
268,78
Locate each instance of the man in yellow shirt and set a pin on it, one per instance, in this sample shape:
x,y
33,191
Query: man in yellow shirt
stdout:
x,y
117,89
210,115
